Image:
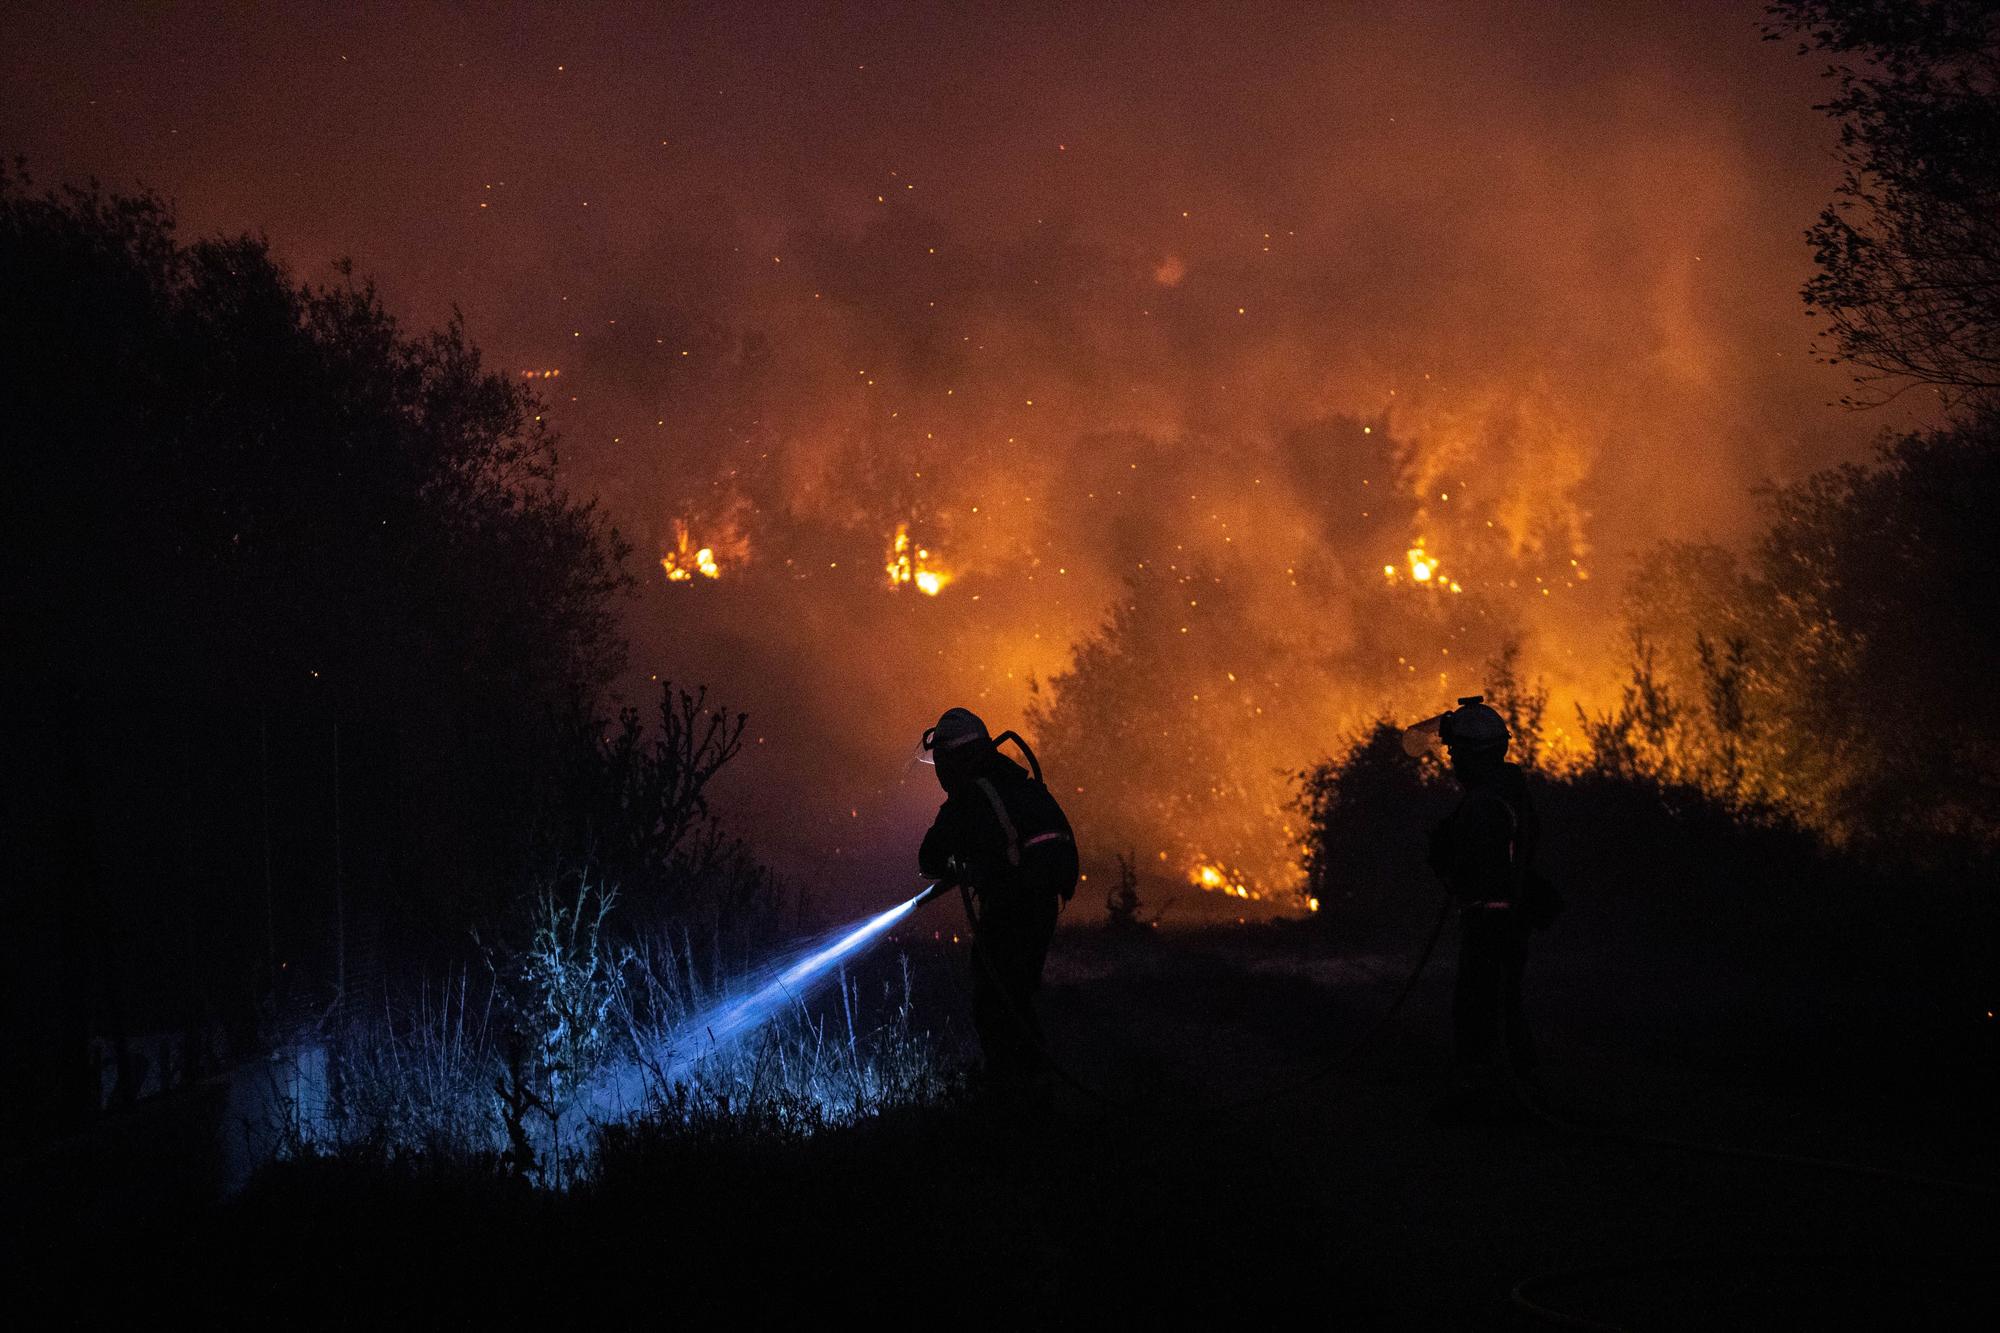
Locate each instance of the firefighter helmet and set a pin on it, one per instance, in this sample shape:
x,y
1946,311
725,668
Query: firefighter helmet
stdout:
x,y
959,727
1473,727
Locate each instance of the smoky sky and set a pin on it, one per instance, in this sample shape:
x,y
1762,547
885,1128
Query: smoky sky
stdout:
x,y
1064,291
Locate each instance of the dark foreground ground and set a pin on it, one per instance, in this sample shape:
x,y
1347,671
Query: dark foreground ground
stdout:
x,y
1346,1203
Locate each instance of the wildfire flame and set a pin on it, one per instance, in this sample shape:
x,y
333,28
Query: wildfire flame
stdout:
x,y
1423,569
687,560
1212,878
913,565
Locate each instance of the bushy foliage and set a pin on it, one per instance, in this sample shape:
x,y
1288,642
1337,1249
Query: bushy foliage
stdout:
x,y
1366,813
1696,735
1909,251
1523,705
1657,848
1840,674
628,804
556,998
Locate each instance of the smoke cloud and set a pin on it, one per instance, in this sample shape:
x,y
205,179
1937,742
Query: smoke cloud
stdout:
x,y
1464,303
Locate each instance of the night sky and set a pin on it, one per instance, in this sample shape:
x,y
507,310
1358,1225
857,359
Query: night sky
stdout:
x,y
1050,289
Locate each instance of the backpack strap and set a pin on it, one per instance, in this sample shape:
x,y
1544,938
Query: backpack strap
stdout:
x,y
1006,821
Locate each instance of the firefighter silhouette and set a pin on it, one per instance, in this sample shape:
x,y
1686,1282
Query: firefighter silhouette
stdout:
x,y
1484,851
1002,838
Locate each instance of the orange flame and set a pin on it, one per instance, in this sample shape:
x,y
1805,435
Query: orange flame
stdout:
x,y
1212,878
1423,569
913,565
687,560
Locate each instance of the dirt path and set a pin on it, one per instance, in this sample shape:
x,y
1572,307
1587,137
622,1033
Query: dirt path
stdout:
x,y
1414,1221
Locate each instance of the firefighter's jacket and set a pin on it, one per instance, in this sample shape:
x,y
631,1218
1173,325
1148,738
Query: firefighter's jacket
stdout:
x,y
1485,848
1000,833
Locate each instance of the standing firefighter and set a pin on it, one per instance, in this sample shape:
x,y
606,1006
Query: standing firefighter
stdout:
x,y
1001,837
1484,851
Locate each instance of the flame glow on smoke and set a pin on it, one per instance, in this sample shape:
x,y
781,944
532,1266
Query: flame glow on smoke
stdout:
x,y
1318,420
1412,306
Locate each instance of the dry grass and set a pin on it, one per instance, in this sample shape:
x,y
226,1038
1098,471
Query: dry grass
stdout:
x,y
522,1066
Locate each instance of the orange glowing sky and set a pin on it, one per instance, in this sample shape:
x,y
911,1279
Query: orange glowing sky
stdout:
x,y
1065,293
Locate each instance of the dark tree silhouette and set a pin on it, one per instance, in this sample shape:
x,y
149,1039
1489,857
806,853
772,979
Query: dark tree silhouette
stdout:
x,y
629,806
1366,812
1909,251
292,597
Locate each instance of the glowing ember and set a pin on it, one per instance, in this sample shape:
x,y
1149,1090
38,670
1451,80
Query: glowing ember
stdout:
x,y
913,565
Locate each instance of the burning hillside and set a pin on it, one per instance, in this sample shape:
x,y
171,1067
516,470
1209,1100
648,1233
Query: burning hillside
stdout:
x,y
908,357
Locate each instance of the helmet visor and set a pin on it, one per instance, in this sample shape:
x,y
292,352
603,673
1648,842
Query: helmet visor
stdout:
x,y
1421,737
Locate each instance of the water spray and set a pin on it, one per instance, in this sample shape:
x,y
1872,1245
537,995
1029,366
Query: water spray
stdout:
x,y
735,1014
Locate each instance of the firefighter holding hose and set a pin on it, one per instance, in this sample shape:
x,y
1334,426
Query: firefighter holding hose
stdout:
x,y
1004,841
